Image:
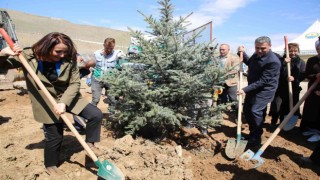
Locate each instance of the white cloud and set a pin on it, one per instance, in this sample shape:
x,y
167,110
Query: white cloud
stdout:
x,y
222,7
217,11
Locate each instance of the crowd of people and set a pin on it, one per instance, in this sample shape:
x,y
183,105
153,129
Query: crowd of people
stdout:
x,y
268,79
56,62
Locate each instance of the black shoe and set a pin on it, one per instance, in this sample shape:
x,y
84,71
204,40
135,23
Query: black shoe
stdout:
x,y
253,142
80,129
273,126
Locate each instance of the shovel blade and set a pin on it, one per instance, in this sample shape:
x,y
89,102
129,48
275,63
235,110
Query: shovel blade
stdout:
x,y
248,155
254,157
230,148
258,161
291,123
107,170
235,148
240,147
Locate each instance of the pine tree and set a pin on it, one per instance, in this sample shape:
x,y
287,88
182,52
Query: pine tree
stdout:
x,y
169,83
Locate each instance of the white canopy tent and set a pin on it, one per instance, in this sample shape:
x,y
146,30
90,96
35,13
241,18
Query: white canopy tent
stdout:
x,y
306,40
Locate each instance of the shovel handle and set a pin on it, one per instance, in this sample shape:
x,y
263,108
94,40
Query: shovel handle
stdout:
x,y
289,73
287,118
48,95
240,98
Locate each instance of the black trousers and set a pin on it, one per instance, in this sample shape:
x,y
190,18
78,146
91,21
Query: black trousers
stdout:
x,y
54,134
311,113
255,113
275,108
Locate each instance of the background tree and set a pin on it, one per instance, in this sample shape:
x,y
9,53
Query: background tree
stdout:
x,y
168,84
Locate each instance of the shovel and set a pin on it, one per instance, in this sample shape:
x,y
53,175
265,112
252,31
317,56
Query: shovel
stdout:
x,y
235,147
293,120
106,170
256,157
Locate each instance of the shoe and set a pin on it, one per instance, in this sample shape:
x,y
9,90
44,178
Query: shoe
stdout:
x,y
80,129
253,142
311,132
314,138
273,126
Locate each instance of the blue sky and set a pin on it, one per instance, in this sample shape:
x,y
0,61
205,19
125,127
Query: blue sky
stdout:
x,y
234,21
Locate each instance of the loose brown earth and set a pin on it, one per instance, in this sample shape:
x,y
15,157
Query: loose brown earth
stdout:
x,y
190,155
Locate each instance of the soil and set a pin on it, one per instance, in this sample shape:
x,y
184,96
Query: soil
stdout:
x,y
190,156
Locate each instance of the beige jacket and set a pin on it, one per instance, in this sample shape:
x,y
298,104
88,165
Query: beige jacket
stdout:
x,y
65,90
232,70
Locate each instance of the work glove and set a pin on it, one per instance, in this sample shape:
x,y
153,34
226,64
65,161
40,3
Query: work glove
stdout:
x,y
88,81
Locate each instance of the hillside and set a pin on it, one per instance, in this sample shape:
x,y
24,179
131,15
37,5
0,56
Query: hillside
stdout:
x,y
30,28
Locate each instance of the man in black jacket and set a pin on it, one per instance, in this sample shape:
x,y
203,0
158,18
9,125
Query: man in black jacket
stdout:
x,y
263,76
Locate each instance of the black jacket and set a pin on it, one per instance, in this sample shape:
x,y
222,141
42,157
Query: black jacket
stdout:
x,y
297,71
263,76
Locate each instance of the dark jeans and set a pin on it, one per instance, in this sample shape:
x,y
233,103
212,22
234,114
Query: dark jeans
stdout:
x,y
254,113
54,134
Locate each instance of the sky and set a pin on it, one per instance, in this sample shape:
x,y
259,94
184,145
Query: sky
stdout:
x,y
236,22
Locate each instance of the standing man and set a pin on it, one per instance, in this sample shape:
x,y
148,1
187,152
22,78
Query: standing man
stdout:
x,y
263,76
227,61
106,59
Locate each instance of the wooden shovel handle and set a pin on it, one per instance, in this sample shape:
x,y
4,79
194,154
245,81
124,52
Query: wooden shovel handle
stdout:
x,y
289,73
288,117
240,96
48,95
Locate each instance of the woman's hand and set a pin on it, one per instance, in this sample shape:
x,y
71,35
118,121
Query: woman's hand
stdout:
x,y
60,108
287,60
9,52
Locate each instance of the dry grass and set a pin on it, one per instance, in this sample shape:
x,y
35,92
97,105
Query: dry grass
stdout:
x,y
30,28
